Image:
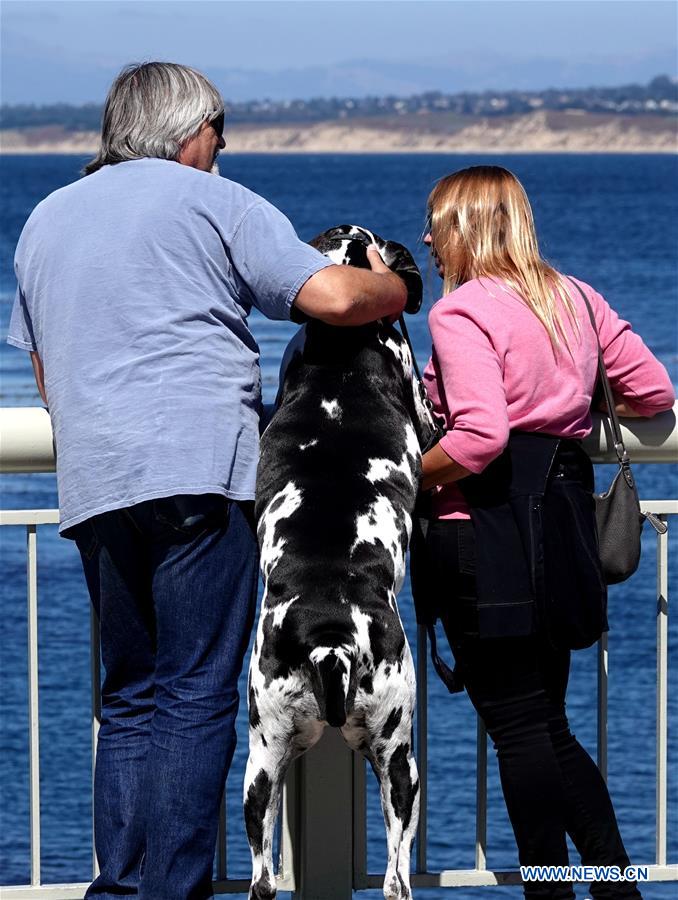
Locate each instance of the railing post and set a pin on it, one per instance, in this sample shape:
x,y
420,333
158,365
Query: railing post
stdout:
x,y
325,851
95,671
601,727
662,691
289,830
422,748
33,701
481,794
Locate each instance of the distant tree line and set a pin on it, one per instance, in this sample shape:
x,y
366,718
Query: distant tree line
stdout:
x,y
660,97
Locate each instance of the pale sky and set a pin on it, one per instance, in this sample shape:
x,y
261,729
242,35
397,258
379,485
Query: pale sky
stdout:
x,y
70,49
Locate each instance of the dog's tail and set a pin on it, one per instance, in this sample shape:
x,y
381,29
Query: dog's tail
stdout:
x,y
332,677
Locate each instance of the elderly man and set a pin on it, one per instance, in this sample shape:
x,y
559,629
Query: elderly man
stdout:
x,y
134,288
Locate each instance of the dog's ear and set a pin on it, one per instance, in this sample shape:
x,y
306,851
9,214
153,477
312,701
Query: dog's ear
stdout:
x,y
331,239
321,243
399,260
345,245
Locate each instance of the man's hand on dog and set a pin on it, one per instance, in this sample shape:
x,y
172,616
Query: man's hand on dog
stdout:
x,y
377,264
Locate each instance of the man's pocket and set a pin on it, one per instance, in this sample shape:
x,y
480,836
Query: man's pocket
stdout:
x,y
189,515
85,538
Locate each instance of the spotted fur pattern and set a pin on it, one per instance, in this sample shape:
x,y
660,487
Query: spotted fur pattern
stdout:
x,y
336,487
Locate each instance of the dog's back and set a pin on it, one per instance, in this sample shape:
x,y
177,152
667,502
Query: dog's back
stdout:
x,y
336,484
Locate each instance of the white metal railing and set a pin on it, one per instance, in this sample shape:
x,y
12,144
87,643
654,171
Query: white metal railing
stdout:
x,y
323,837
31,519
27,445
660,870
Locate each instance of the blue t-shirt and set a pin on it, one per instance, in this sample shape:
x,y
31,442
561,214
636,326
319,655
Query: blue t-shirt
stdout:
x,y
134,286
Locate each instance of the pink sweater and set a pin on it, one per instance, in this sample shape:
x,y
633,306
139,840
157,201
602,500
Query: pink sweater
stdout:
x,y
493,370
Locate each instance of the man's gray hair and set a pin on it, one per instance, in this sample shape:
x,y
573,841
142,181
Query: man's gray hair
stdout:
x,y
152,109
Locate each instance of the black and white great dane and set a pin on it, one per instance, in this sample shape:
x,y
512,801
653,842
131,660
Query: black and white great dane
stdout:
x,y
336,487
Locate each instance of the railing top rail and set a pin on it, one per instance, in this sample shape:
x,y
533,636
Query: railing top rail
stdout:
x,y
27,443
29,516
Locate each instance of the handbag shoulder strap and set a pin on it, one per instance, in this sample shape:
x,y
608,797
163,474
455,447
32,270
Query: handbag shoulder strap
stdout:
x,y
619,447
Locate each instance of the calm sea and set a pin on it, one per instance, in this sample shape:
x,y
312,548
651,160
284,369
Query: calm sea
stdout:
x,y
611,220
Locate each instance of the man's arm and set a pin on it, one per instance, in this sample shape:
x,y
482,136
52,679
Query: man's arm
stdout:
x,y
284,276
345,295
39,373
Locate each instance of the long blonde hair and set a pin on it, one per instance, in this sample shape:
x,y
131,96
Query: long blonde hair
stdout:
x,y
481,225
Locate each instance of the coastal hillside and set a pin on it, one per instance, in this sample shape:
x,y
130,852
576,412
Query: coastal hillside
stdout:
x,y
542,131
627,119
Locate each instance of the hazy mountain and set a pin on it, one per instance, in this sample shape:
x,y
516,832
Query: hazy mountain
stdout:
x,y
57,80
362,78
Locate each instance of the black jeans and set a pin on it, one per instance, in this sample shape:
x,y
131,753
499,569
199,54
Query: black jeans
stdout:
x,y
551,785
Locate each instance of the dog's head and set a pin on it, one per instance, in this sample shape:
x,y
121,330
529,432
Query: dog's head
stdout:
x,y
346,245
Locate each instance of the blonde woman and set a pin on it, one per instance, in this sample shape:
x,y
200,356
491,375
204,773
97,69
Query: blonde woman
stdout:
x,y
512,372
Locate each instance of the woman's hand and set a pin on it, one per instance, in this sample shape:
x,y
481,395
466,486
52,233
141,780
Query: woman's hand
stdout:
x,y
439,468
622,409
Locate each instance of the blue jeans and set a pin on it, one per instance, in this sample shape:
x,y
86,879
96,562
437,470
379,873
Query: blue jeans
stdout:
x,y
174,583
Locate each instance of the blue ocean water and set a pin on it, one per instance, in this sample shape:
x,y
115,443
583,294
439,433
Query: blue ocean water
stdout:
x,y
611,220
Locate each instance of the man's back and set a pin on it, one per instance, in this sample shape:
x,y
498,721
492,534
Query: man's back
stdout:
x,y
138,281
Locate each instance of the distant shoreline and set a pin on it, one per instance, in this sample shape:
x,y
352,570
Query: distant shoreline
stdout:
x,y
539,132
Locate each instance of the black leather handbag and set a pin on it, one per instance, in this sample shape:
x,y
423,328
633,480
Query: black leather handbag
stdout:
x,y
618,516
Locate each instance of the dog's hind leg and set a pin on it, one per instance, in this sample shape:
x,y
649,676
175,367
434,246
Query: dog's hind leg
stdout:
x,y
262,797
397,773
274,743
385,738
264,776
393,764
